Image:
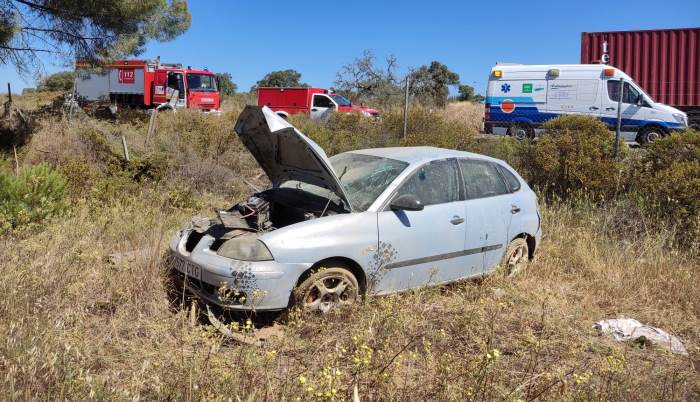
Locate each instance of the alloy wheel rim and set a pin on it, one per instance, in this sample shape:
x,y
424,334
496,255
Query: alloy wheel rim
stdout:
x,y
330,292
516,260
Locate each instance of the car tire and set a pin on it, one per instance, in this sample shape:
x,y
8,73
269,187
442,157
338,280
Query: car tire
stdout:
x,y
516,258
650,134
327,289
521,131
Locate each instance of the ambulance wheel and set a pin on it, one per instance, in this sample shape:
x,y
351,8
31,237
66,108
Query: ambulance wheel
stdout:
x,y
650,134
521,131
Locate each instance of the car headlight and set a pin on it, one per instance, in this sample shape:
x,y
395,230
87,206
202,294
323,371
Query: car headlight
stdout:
x,y
245,249
366,113
681,118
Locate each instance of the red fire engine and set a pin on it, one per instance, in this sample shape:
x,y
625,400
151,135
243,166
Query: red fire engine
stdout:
x,y
147,83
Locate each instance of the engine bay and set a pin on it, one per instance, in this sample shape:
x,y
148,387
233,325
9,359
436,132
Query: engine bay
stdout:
x,y
263,212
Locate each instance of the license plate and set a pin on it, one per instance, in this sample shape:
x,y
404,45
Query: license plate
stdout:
x,y
188,268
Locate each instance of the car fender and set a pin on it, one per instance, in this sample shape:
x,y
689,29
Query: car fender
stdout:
x,y
352,236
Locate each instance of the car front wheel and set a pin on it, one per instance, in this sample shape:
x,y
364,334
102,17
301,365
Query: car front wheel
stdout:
x,y
516,257
327,289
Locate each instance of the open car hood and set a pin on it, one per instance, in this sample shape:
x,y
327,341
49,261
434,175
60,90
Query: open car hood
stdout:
x,y
284,153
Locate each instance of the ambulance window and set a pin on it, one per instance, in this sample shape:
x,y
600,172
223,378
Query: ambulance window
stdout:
x,y
322,101
630,96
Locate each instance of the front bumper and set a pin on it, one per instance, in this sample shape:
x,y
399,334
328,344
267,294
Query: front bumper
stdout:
x,y
234,284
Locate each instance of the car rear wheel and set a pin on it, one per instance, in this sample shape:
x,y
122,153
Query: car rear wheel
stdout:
x,y
327,289
516,257
521,131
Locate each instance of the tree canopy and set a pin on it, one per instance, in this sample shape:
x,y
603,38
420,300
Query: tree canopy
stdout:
x,y
430,84
89,30
366,78
61,81
226,84
280,79
467,93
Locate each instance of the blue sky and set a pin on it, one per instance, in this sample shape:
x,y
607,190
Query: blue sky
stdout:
x,y
250,38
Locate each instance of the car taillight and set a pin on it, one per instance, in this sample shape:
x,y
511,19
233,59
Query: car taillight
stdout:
x,y
487,111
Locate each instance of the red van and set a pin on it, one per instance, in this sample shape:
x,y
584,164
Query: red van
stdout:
x,y
314,101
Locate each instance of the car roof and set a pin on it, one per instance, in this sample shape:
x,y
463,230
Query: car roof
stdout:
x,y
419,155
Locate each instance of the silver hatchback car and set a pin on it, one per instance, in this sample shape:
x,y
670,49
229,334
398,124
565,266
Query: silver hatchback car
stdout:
x,y
366,222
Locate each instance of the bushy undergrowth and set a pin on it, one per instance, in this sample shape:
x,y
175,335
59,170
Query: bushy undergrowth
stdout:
x,y
28,198
574,154
344,132
668,179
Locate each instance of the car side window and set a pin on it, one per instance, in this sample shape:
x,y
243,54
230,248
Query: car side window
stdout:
x,y
434,183
513,181
322,101
481,179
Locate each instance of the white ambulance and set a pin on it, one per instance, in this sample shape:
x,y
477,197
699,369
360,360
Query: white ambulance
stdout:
x,y
520,98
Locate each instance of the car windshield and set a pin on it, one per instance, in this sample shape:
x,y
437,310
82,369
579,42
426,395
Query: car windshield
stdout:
x,y
365,177
201,82
341,100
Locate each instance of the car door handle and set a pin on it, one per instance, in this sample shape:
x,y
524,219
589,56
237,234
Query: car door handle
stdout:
x,y
514,209
593,108
609,108
456,220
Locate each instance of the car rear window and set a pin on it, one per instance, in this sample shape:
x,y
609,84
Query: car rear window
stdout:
x,y
513,181
481,179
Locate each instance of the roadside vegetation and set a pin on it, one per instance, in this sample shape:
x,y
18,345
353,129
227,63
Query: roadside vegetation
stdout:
x,y
86,311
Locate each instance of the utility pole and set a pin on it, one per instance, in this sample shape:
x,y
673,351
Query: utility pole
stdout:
x,y
619,117
405,108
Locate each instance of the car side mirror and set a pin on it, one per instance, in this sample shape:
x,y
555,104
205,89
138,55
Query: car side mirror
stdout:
x,y
407,202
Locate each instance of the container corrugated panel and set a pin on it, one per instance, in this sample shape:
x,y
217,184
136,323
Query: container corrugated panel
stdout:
x,y
666,62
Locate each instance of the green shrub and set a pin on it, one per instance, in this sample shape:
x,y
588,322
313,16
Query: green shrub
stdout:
x,y
35,194
505,148
348,131
669,181
430,128
574,155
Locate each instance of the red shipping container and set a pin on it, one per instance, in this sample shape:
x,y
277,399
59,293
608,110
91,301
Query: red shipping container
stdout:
x,y
665,62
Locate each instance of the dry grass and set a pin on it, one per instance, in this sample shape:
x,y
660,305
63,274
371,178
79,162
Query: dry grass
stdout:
x,y
76,326
469,113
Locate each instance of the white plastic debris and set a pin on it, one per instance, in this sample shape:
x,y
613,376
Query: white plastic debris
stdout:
x,y
626,329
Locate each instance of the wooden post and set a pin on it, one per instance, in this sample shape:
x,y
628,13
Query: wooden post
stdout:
x,y
125,148
9,93
151,125
14,148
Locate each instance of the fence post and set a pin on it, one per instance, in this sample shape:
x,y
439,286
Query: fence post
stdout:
x,y
405,109
619,117
151,125
125,148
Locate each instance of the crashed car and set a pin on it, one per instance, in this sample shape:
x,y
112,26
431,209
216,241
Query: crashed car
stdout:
x,y
367,222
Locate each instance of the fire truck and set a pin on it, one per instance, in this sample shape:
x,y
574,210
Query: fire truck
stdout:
x,y
316,102
147,84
